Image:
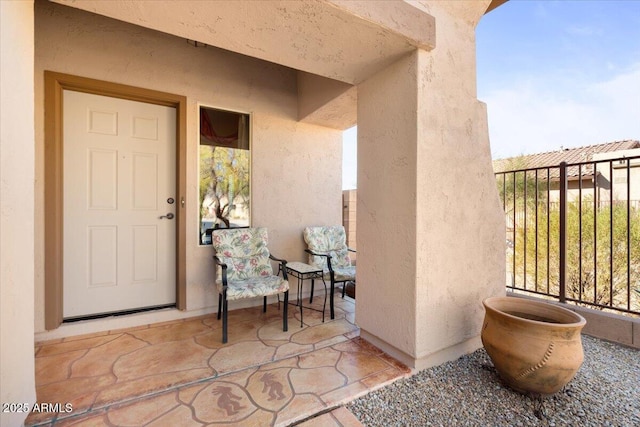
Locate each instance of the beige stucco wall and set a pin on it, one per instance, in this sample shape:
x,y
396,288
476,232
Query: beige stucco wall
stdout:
x,y
386,205
349,211
296,167
620,175
430,227
463,221
17,383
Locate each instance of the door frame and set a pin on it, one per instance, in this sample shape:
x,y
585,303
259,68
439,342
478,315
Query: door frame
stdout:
x,y
54,85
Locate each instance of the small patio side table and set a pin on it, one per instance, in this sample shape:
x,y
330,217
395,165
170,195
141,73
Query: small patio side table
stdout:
x,y
302,272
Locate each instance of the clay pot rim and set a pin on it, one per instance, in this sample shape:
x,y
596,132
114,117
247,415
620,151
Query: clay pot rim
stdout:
x,y
579,320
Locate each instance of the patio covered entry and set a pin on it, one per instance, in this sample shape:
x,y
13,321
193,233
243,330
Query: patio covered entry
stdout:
x,y
430,228
424,157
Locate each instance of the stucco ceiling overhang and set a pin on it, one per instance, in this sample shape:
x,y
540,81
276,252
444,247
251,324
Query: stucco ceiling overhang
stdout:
x,y
334,44
343,40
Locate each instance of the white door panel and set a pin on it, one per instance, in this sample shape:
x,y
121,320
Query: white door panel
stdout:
x,y
119,172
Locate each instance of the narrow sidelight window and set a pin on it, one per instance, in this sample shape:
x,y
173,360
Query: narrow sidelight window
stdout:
x,y
224,171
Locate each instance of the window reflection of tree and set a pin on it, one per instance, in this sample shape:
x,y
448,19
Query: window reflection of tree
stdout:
x,y
224,171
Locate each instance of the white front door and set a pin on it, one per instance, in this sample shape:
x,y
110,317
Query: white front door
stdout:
x,y
119,185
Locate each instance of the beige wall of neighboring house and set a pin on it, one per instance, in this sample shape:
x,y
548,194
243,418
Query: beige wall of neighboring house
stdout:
x,y
610,173
349,210
621,176
605,182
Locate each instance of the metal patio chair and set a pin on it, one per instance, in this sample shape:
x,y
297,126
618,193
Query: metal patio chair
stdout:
x,y
244,270
328,250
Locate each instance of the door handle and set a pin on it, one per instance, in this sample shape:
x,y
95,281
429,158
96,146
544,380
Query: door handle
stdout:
x,y
168,216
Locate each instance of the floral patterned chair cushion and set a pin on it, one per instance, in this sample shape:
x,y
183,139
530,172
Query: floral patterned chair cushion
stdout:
x,y
254,287
330,240
249,272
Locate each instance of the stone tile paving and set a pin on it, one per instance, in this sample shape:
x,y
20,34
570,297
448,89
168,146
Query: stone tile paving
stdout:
x,y
180,374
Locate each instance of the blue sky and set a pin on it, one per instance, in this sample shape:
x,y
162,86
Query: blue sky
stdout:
x,y
553,74
559,74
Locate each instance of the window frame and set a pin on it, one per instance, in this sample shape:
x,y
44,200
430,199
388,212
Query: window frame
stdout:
x,y
250,165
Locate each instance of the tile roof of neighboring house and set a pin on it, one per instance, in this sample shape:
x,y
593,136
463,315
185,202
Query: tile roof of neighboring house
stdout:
x,y
569,155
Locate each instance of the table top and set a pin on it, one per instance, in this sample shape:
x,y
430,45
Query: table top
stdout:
x,y
303,268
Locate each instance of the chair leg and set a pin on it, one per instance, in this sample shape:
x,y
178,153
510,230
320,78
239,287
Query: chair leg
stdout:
x,y
311,296
264,305
285,315
219,305
344,288
333,289
225,307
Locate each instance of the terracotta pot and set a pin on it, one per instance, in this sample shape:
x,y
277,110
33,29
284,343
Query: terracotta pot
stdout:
x,y
535,346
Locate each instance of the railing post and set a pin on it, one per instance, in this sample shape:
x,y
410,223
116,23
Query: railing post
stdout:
x,y
563,230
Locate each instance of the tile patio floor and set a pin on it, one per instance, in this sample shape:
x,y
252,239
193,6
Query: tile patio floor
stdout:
x,y
180,374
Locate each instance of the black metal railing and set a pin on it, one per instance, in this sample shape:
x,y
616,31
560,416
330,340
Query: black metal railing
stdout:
x,y
573,232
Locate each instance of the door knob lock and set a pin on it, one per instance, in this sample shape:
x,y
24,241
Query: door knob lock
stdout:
x,y
168,216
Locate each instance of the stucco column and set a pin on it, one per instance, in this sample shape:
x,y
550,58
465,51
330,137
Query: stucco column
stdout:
x,y
430,229
17,380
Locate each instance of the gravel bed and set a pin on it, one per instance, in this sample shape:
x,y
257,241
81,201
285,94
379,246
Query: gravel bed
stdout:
x,y
468,392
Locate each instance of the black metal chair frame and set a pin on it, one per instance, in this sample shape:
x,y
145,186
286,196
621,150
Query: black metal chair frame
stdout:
x,y
223,303
333,279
